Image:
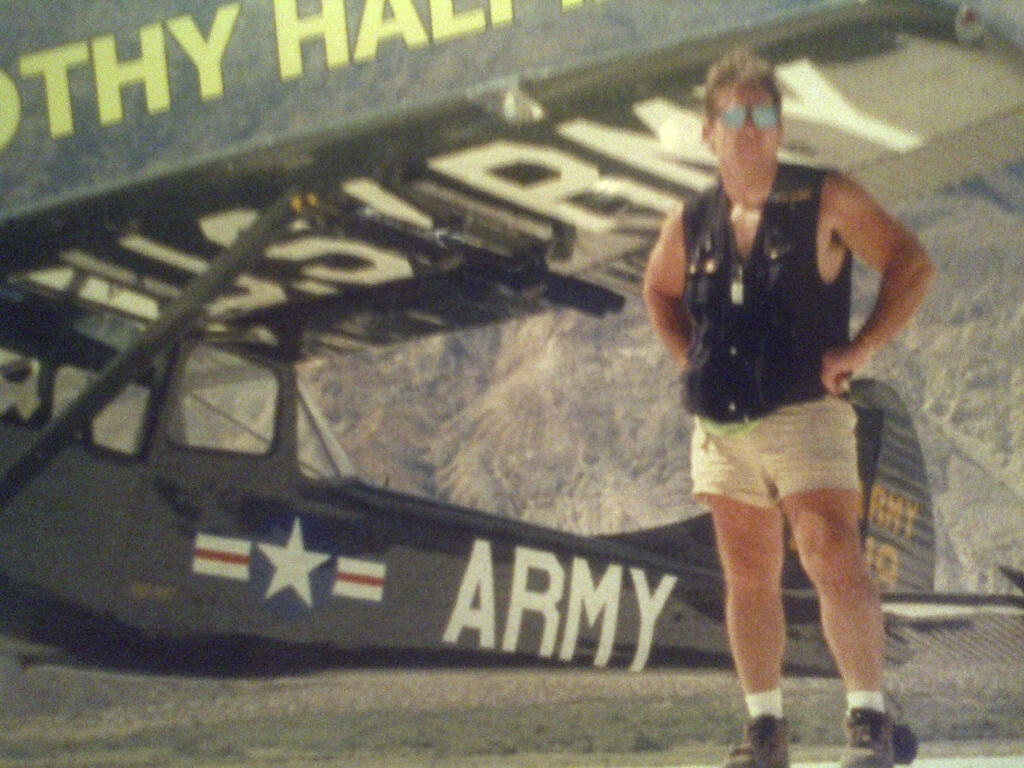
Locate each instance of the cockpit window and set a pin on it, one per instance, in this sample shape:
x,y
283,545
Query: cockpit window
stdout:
x,y
119,426
226,402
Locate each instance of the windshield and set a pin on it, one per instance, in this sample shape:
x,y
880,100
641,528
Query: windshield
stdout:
x,y
228,402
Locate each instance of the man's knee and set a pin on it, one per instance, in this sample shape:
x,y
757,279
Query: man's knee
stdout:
x,y
835,564
838,572
827,537
753,573
749,542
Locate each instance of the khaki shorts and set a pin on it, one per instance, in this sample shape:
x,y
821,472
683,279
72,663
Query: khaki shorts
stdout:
x,y
802,447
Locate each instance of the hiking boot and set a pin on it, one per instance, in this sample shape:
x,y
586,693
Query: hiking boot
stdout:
x,y
870,735
765,745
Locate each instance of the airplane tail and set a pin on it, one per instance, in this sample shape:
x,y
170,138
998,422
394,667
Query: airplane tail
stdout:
x,y
899,537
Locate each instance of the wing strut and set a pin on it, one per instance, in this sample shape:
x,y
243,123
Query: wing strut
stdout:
x,y
167,329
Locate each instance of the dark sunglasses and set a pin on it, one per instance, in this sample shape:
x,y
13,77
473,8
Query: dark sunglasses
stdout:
x,y
761,115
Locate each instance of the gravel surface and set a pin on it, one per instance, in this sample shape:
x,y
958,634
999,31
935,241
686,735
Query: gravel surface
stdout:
x,y
56,716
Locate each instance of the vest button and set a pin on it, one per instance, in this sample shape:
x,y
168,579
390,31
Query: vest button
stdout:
x,y
733,351
732,407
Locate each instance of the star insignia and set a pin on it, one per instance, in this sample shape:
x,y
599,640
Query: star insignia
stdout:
x,y
292,564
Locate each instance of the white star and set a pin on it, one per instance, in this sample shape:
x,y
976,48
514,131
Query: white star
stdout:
x,y
292,565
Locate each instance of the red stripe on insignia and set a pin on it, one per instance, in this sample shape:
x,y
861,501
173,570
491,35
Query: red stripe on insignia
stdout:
x,y
359,578
222,557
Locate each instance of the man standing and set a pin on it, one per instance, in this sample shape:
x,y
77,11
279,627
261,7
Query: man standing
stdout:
x,y
749,288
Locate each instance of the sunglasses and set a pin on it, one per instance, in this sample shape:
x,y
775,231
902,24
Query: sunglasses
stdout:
x,y
761,115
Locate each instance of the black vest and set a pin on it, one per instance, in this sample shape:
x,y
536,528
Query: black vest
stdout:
x,y
760,326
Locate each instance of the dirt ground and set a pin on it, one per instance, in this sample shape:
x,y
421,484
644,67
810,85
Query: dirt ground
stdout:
x,y
58,717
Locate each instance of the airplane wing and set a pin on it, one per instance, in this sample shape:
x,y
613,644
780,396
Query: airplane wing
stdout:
x,y
494,199
353,269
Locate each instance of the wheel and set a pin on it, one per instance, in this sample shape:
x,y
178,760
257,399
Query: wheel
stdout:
x,y
904,744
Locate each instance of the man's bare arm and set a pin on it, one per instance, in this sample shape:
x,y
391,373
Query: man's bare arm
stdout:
x,y
886,245
663,288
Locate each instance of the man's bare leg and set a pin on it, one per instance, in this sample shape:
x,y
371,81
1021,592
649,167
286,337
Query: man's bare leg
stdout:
x,y
826,530
750,547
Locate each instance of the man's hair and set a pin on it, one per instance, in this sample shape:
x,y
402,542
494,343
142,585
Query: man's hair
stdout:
x,y
740,66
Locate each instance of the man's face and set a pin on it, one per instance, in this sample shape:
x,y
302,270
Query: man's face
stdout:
x,y
746,129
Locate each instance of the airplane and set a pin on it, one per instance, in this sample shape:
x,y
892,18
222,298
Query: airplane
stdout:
x,y
175,500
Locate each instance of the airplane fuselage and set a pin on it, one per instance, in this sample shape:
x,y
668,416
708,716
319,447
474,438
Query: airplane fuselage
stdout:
x,y
203,558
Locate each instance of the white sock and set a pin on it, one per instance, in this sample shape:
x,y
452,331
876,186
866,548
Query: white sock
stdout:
x,y
865,700
764,703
